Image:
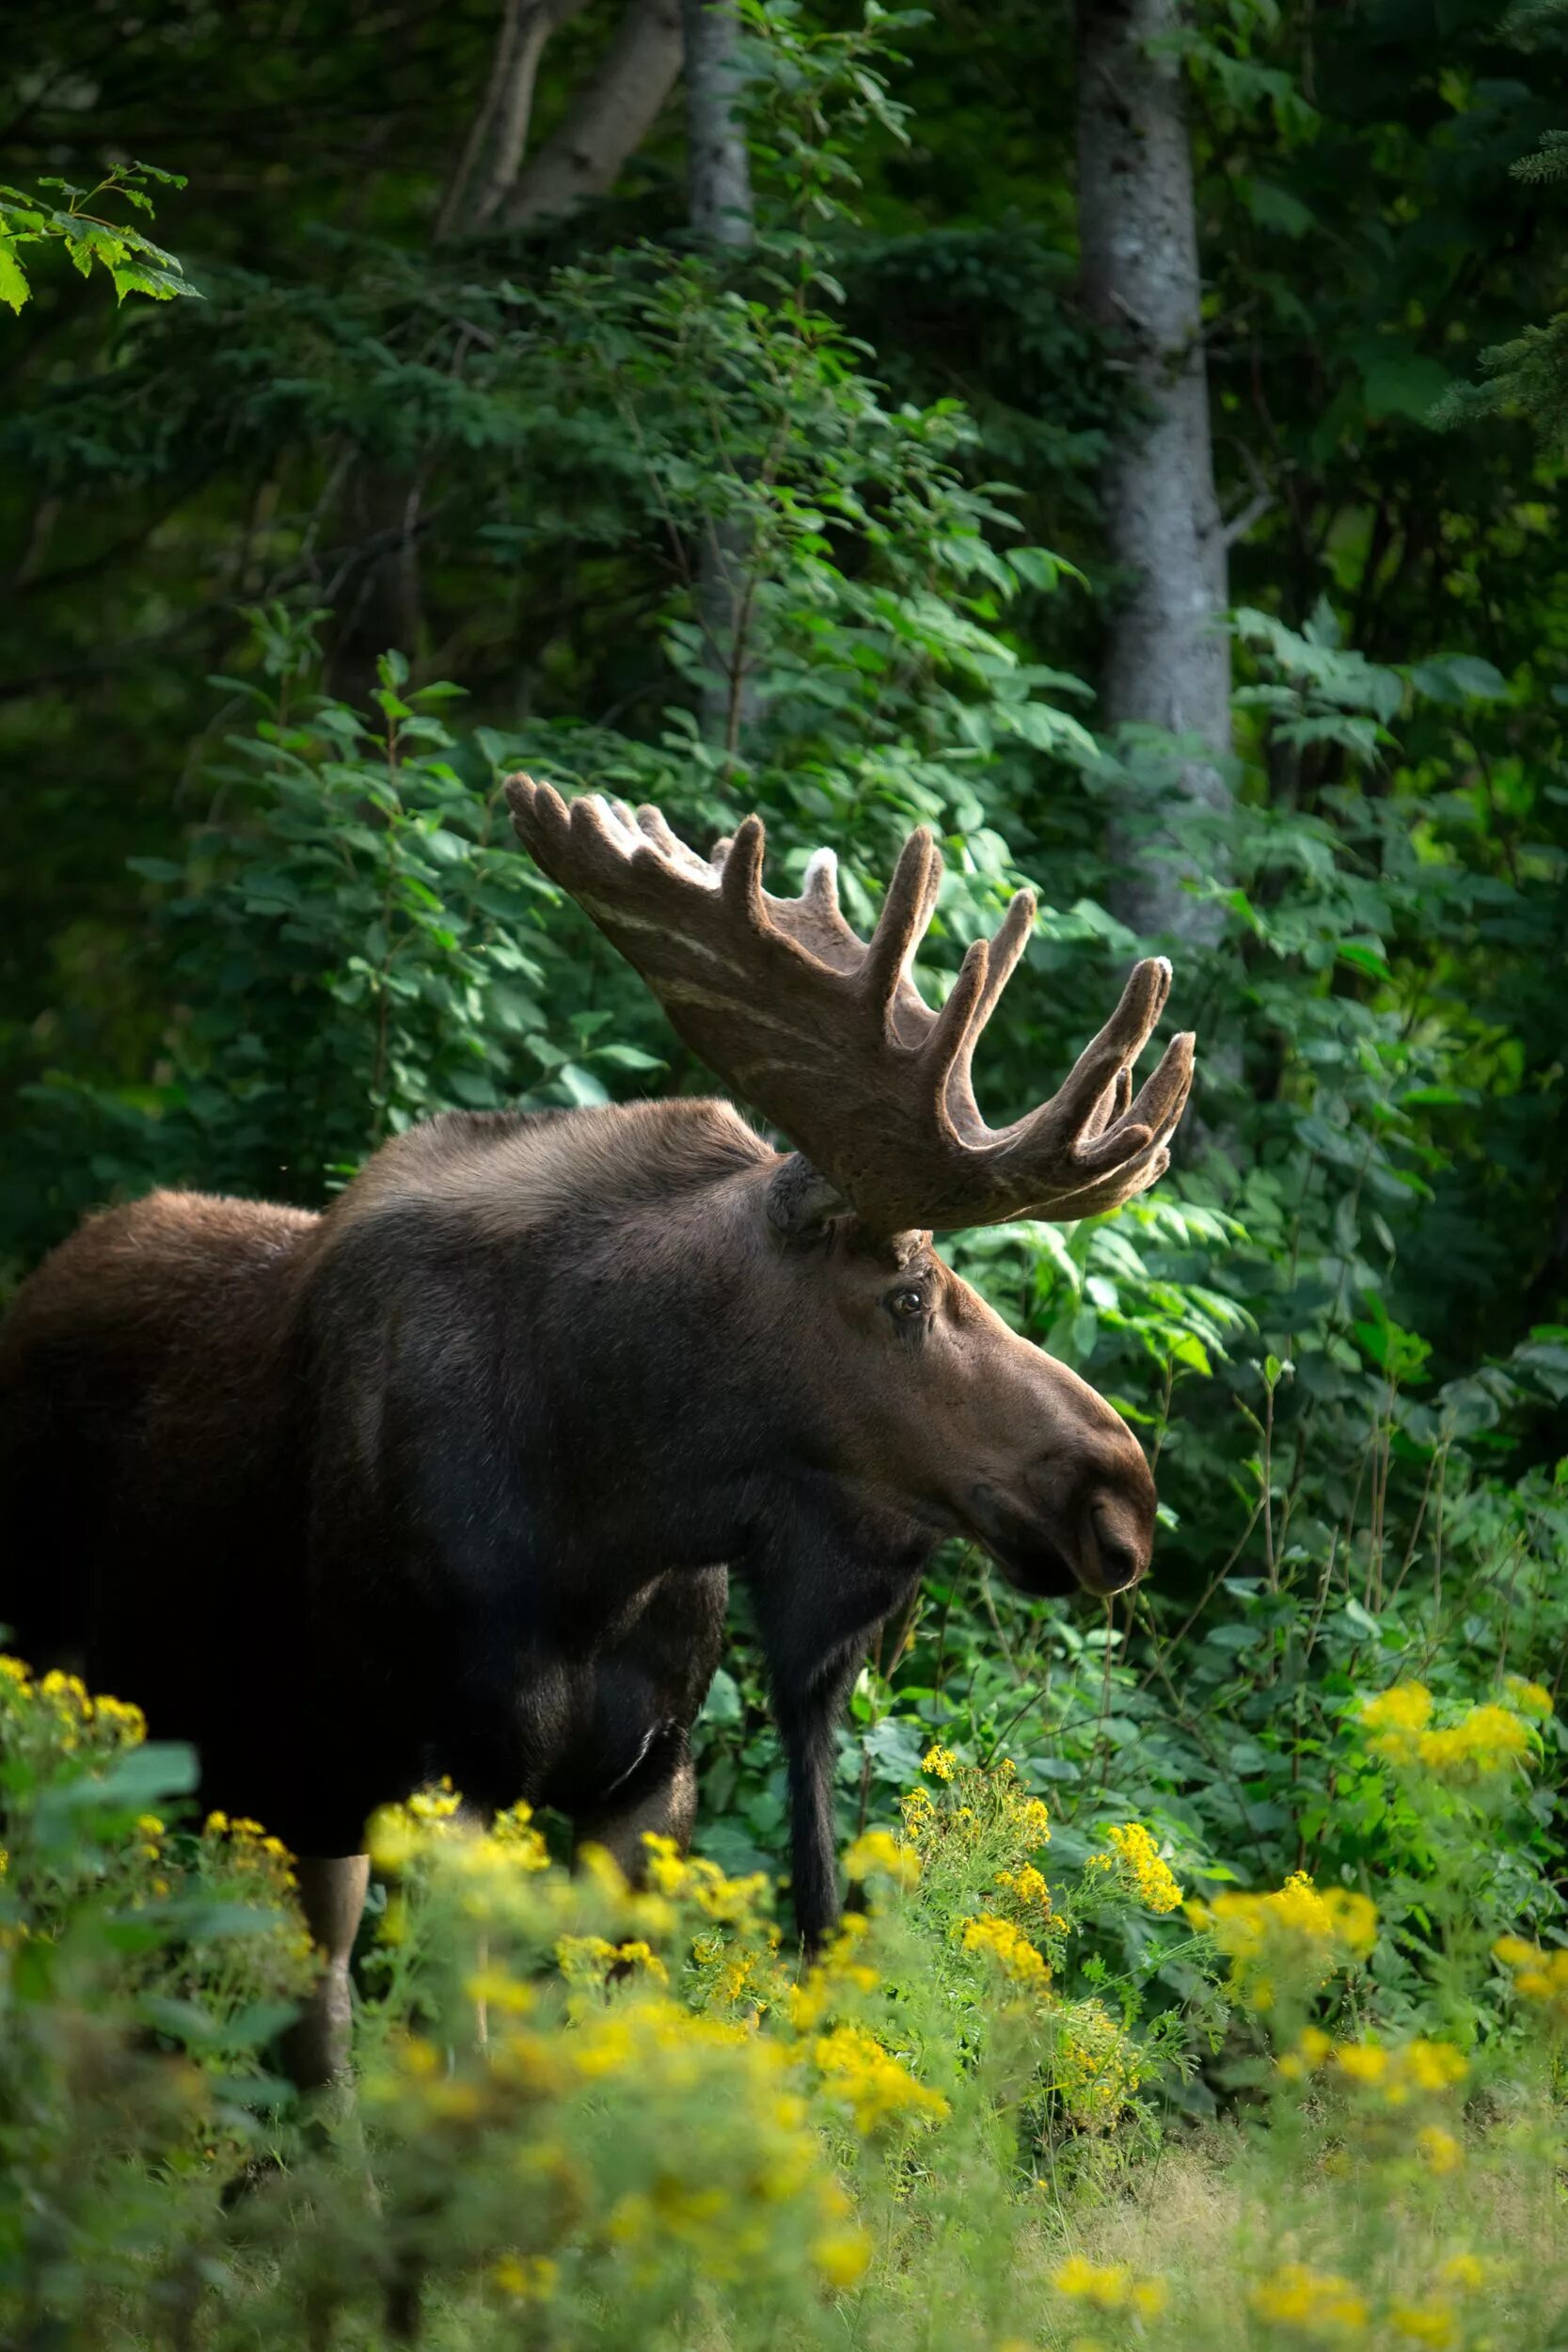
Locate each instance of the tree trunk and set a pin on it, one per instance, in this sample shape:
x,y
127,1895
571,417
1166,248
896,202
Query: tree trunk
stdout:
x,y
1169,665
607,122
719,195
493,153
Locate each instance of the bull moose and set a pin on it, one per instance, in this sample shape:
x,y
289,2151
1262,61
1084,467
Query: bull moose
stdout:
x,y
449,1478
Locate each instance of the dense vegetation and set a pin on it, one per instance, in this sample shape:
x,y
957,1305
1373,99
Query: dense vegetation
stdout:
x,y
803,507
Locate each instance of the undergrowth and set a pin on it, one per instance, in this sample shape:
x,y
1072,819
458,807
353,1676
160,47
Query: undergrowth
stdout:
x,y
589,2112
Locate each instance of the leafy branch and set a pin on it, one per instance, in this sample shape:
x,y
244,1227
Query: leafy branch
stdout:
x,y
136,264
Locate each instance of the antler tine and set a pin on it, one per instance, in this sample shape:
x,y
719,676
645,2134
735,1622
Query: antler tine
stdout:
x,y
651,823
907,911
740,874
999,961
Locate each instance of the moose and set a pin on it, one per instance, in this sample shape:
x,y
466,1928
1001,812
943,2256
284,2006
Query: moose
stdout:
x,y
450,1477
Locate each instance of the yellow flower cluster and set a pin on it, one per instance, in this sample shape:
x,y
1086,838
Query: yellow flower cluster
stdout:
x,y
246,1847
1485,1738
918,1811
526,2277
70,1710
1323,2305
432,1819
1028,1888
1539,1976
876,1854
1427,2322
1140,1864
836,1974
1097,2064
993,1806
1110,2287
1320,2302
1294,1938
876,2088
1009,1947
593,1960
737,1974
1407,2071
692,1878
1528,1698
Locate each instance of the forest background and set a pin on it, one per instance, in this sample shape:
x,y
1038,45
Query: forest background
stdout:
x,y
1131,446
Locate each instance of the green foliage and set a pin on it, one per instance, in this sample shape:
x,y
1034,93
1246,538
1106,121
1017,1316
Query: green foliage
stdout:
x,y
585,2109
134,262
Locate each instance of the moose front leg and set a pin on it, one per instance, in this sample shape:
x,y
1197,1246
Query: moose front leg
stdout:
x,y
808,1717
332,1897
817,1603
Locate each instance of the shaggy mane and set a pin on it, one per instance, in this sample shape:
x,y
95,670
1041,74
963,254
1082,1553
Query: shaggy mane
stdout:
x,y
512,1169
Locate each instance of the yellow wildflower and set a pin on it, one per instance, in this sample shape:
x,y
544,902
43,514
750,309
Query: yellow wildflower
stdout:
x,y
918,1809
1144,1867
1399,2070
592,1959
875,2085
1298,1935
1097,2064
1528,1698
1031,1817
497,1990
1109,2286
877,1852
1009,1947
1539,1977
1484,1739
530,2278
1319,2301
1465,2271
1396,1718
1440,2148
1026,1886
842,2256
940,1762
1430,2322
1311,2051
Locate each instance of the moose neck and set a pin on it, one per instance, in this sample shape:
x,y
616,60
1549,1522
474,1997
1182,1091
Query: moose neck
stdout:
x,y
701,1420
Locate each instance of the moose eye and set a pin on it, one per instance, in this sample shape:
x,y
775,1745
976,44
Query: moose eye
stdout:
x,y
907,1304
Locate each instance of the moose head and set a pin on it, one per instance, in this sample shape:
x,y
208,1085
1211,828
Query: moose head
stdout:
x,y
909,1393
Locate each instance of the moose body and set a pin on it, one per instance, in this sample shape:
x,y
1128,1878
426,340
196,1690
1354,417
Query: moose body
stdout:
x,y
450,1478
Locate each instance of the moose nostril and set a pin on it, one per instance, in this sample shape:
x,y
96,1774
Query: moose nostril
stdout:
x,y
1119,1563
1120,1559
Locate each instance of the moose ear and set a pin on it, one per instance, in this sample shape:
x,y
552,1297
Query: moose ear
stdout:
x,y
799,1201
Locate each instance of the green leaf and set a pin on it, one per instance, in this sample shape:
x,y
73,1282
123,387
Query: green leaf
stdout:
x,y
14,288
1408,386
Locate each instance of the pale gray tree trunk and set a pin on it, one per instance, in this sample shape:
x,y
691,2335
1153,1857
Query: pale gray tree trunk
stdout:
x,y
1168,664
719,201
607,121
493,152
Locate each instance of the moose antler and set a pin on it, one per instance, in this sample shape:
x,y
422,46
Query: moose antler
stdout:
x,y
828,1036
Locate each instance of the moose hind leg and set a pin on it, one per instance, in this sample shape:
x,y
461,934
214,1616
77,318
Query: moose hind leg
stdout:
x,y
332,1897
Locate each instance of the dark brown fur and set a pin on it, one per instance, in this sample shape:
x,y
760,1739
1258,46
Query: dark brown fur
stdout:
x,y
450,1477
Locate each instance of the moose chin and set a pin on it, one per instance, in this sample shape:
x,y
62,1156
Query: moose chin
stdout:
x,y
452,1477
